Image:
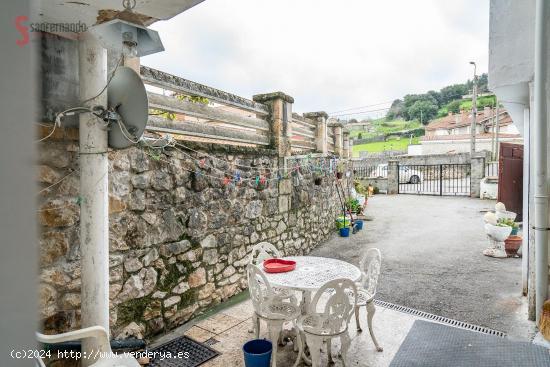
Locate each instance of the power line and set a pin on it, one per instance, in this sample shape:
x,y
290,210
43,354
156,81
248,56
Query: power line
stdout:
x,y
360,112
356,108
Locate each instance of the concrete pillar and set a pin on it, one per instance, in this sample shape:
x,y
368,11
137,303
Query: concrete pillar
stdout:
x,y
393,177
346,150
477,173
94,214
338,139
321,135
280,106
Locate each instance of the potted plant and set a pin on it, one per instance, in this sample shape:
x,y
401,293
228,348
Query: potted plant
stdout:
x,y
502,222
353,205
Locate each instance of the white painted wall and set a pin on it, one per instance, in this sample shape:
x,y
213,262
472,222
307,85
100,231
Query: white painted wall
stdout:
x,y
511,69
460,146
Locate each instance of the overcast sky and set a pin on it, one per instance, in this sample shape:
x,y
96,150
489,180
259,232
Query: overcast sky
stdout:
x,y
328,55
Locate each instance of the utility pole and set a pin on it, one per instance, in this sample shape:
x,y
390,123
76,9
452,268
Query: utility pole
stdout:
x,y
474,114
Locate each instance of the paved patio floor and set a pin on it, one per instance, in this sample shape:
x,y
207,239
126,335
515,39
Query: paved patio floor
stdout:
x,y
230,328
432,261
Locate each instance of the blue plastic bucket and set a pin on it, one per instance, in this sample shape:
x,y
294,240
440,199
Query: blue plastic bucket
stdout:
x,y
257,353
359,224
344,232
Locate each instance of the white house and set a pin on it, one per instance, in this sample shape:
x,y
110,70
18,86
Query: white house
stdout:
x,y
451,134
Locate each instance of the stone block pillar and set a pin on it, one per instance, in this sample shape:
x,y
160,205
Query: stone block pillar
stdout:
x,y
280,118
477,174
393,177
280,106
346,151
338,139
321,134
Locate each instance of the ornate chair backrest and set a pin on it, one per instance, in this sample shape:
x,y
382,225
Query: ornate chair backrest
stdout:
x,y
370,270
263,251
260,290
333,305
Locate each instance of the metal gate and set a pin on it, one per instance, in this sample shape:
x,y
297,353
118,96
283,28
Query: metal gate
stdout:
x,y
435,179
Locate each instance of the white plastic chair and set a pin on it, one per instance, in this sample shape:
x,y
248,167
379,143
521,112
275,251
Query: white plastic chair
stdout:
x,y
273,309
106,357
366,290
328,317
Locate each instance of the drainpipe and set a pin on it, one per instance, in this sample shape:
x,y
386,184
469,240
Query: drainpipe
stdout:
x,y
541,148
94,215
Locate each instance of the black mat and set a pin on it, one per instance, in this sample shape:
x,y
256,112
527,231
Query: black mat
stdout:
x,y
185,352
434,345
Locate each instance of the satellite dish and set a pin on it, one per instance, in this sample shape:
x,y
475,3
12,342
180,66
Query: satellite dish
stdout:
x,y
127,97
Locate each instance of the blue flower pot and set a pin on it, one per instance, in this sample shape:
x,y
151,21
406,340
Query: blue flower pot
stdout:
x,y
344,232
359,224
257,353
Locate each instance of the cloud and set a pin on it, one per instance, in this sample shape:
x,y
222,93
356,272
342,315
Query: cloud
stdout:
x,y
328,57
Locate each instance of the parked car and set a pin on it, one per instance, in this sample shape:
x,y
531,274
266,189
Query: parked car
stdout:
x,y
406,174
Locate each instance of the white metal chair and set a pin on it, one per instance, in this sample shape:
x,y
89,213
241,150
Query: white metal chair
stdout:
x,y
273,309
106,357
263,251
366,290
260,252
328,317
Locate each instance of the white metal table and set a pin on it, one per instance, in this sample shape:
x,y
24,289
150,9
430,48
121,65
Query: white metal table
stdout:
x,y
312,272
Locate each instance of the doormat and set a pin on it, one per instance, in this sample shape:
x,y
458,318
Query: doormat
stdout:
x,y
434,345
181,352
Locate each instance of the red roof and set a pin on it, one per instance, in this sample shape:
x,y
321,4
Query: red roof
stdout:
x,y
465,119
467,136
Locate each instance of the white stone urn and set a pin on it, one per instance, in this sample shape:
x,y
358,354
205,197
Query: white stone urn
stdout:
x,y
496,235
505,215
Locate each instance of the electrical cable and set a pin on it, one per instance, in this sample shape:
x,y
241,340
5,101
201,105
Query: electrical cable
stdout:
x,y
58,116
108,80
56,183
356,108
360,112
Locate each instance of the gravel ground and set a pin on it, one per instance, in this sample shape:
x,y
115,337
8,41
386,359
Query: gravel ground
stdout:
x,y
432,261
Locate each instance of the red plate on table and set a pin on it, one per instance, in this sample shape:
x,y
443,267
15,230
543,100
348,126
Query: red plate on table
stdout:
x,y
279,265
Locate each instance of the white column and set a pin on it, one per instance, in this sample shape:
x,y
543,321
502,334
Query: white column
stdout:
x,y
94,215
526,222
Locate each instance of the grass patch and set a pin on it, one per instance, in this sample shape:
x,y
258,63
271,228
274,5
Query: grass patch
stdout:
x,y
382,146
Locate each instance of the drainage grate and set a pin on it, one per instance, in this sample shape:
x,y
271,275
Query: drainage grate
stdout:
x,y
181,352
440,319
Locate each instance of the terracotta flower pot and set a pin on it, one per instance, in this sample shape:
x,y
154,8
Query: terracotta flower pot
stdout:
x,y
512,245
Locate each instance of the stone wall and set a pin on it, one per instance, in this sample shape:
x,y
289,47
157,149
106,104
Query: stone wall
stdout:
x,y
179,242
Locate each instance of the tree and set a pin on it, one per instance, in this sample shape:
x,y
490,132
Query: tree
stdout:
x,y
423,110
436,96
454,106
452,92
396,110
411,99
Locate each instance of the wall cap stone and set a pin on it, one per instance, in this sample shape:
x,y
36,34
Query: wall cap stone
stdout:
x,y
313,115
266,97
